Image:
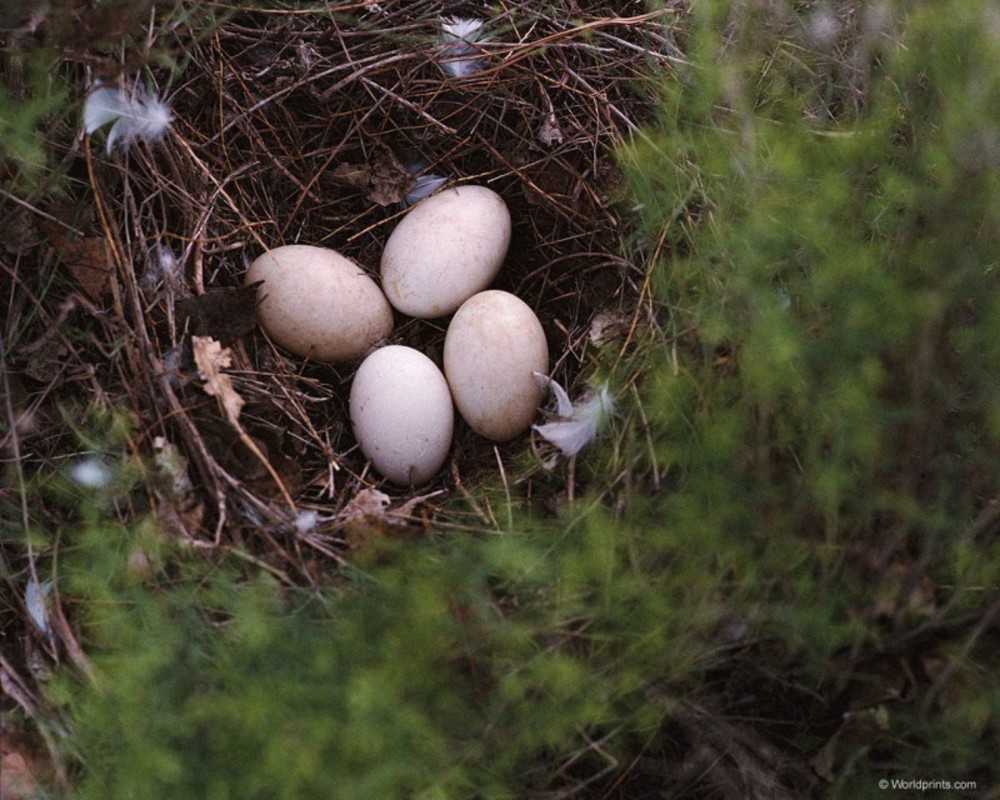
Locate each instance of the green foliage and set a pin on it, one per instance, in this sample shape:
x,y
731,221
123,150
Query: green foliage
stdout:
x,y
30,103
836,284
409,684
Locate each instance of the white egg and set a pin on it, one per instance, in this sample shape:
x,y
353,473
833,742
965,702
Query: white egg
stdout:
x,y
493,345
402,414
319,304
446,249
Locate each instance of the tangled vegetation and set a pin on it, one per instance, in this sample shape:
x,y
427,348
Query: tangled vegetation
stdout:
x,y
769,227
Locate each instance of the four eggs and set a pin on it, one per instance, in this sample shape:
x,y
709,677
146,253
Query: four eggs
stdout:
x,y
438,261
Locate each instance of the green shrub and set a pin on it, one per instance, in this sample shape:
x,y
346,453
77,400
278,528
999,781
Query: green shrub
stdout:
x,y
835,408
409,684
31,104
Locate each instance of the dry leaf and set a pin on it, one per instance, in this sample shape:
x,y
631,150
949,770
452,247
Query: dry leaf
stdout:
x,y
549,133
391,181
550,180
367,501
355,175
91,26
48,356
22,769
368,518
384,180
609,327
88,260
211,358
20,232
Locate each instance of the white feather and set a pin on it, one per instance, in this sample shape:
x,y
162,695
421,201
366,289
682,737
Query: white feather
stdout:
x,y
466,29
149,120
564,406
104,105
91,473
459,54
136,118
306,521
35,600
119,130
169,267
425,186
577,425
458,65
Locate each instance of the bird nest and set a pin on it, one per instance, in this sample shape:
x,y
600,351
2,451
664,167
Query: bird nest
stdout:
x,y
312,128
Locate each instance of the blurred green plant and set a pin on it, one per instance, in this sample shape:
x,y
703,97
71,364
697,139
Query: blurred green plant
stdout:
x,y
835,407
456,671
31,101
821,431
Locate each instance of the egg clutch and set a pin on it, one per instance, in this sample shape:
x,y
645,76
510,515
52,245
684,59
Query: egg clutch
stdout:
x,y
438,261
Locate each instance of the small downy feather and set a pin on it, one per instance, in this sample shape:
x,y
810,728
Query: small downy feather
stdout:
x,y
306,521
459,54
103,105
136,118
425,186
36,601
91,473
577,425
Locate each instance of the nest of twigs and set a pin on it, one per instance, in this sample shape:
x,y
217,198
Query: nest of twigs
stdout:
x,y
307,128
